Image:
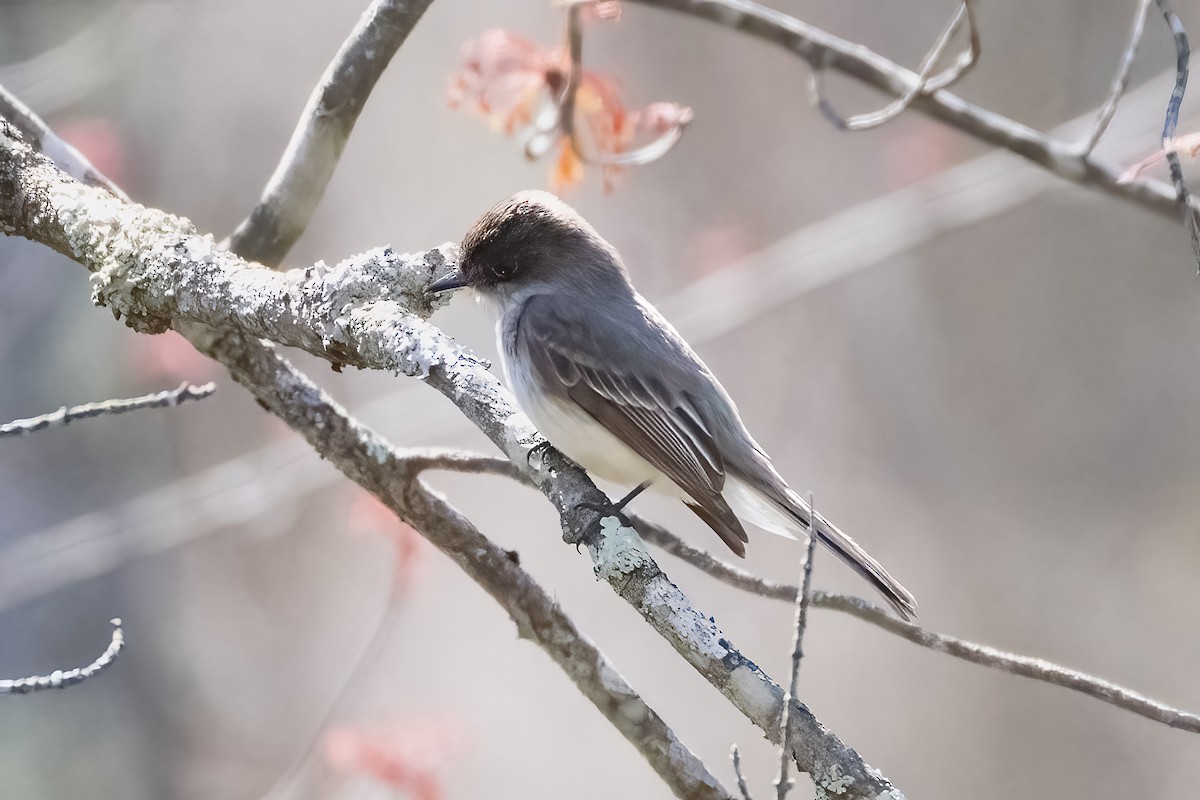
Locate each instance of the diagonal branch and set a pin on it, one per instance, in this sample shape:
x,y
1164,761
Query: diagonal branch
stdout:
x,y
154,269
295,188
370,461
65,416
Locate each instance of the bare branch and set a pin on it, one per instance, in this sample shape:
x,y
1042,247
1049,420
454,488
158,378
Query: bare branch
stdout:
x,y
60,679
1120,81
46,141
926,81
299,181
366,312
818,47
736,757
783,783
1025,666
1183,53
435,458
369,460
64,416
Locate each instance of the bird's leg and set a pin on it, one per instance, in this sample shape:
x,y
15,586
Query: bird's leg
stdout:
x,y
615,509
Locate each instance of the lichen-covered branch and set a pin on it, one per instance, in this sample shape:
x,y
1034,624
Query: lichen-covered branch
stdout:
x,y
155,270
169,397
296,186
370,461
60,679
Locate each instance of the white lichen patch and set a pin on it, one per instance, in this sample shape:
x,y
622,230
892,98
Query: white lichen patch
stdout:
x,y
757,699
126,246
890,794
382,275
620,550
830,782
666,601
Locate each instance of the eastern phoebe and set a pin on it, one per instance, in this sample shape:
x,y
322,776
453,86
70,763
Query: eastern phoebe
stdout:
x,y
610,383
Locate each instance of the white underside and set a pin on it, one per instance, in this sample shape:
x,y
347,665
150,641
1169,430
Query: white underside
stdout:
x,y
589,444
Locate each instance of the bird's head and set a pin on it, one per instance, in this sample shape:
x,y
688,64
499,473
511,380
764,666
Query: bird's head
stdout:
x,y
529,241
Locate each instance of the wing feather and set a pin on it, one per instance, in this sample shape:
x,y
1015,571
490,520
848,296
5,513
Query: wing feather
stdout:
x,y
661,424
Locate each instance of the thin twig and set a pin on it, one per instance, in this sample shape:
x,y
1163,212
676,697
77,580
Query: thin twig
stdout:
x,y
736,757
60,679
64,416
1025,666
784,783
1120,81
926,81
1182,55
645,154
294,189
438,458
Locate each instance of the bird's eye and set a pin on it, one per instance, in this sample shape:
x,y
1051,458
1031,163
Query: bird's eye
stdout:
x,y
503,270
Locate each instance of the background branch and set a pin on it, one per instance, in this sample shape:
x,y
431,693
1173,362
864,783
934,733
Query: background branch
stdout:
x,y
170,397
58,679
1120,81
294,189
1025,666
824,50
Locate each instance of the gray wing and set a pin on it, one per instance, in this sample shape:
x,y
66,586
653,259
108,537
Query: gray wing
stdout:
x,y
644,406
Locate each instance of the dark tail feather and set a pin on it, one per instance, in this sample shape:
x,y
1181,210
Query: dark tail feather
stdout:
x,y
727,526
860,561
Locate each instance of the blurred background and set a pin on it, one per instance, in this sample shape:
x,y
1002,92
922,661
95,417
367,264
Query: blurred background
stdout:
x,y
988,377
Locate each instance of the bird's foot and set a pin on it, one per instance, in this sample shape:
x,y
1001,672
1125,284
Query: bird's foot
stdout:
x,y
538,451
605,510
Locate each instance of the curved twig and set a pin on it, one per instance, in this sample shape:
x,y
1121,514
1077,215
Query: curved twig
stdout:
x,y
58,679
1120,80
817,46
645,154
926,81
1183,53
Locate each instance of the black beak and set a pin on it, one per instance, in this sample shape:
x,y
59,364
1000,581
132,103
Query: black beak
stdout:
x,y
454,280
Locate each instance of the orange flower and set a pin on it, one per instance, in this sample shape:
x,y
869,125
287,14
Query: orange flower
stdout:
x,y
502,79
516,86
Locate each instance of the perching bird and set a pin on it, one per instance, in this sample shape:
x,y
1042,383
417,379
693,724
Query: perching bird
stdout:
x,y
610,383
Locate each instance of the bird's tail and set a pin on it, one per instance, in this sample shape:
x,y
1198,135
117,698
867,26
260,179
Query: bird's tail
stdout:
x,y
784,512
864,564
